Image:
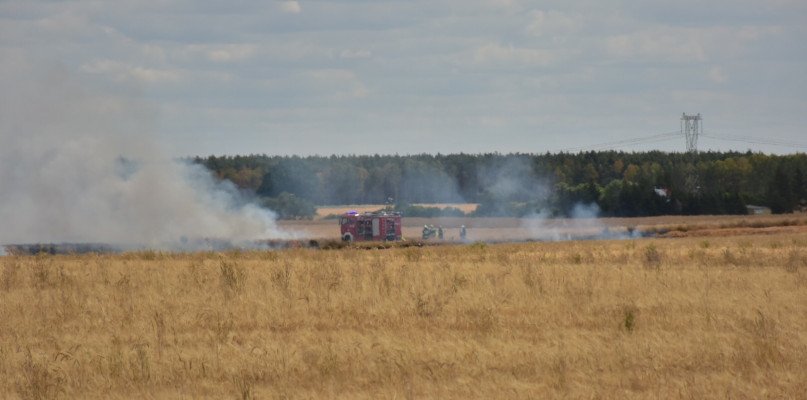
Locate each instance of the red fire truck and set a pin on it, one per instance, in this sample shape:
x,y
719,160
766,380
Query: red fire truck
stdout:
x,y
377,225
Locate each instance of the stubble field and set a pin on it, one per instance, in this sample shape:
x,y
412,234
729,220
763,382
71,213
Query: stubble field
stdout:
x,y
697,317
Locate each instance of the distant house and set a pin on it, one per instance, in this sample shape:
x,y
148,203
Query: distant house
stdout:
x,y
662,192
757,210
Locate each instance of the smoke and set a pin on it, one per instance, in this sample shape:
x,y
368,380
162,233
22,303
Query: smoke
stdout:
x,y
513,187
83,167
515,180
516,187
585,223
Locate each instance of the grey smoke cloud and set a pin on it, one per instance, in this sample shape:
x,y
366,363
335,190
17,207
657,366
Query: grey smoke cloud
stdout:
x,y
583,222
79,166
516,180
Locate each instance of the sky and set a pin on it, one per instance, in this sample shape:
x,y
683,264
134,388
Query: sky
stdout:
x,y
242,77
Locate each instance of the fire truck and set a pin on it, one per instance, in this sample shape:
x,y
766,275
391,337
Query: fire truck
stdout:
x,y
377,225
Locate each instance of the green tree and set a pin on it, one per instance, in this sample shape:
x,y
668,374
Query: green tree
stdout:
x,y
780,197
609,198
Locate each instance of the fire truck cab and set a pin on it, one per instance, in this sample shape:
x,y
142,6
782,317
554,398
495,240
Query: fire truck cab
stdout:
x,y
377,225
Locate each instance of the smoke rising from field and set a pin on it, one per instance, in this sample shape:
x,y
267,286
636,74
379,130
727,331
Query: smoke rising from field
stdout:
x,y
517,180
77,166
517,183
583,222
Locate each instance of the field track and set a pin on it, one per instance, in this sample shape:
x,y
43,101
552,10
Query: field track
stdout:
x,y
515,229
324,233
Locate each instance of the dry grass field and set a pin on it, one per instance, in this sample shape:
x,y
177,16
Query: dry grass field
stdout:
x,y
714,317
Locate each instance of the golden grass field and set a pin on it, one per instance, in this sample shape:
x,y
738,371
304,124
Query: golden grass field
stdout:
x,y
697,317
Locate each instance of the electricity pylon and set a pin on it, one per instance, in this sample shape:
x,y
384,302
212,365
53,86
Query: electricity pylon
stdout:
x,y
691,127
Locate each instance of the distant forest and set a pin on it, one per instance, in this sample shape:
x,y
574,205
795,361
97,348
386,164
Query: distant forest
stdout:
x,y
551,185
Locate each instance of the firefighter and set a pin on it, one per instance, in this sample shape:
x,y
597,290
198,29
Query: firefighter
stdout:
x,y
426,231
440,232
463,232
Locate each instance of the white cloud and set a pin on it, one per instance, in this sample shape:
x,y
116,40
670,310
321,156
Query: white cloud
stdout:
x,y
356,54
127,72
504,3
231,53
682,45
537,23
717,75
226,53
494,55
154,52
291,7
338,84
63,22
667,44
550,22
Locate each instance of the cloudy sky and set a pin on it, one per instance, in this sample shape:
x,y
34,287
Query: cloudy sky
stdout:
x,y
414,76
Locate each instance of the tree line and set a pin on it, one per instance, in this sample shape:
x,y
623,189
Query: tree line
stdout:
x,y
553,184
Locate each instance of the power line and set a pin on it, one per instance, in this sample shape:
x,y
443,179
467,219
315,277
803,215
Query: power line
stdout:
x,y
661,137
753,140
667,136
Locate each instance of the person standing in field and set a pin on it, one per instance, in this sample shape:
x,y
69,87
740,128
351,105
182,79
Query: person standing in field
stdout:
x,y
440,232
463,232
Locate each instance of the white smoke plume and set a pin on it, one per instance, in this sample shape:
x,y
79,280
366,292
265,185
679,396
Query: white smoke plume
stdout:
x,y
585,223
515,181
82,167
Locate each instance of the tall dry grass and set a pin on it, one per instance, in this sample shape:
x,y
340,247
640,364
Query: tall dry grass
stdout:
x,y
723,318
